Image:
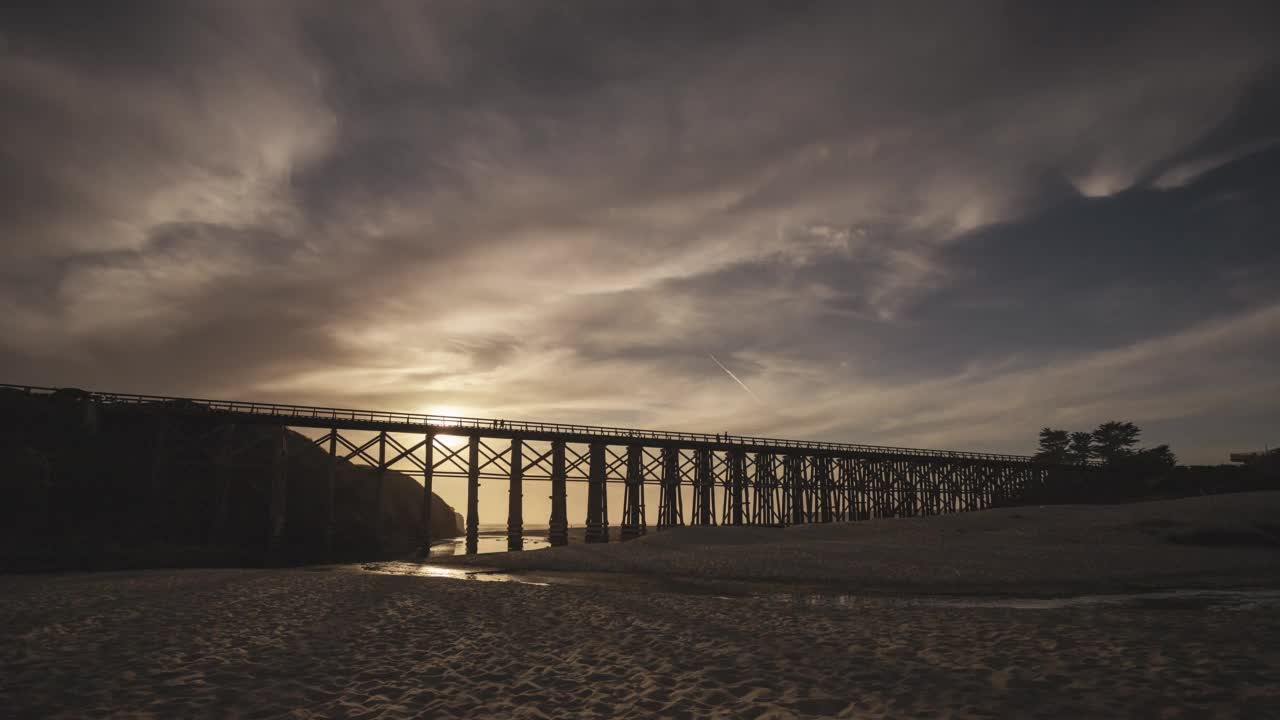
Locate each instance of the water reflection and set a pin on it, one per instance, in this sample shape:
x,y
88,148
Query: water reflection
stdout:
x,y
1228,600
492,542
1212,600
413,568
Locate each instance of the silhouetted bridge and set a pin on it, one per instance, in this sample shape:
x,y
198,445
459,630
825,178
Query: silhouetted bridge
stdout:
x,y
734,480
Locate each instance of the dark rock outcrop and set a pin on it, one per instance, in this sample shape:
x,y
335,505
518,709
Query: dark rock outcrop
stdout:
x,y
83,488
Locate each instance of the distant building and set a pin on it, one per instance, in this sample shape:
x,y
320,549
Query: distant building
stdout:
x,y
1265,460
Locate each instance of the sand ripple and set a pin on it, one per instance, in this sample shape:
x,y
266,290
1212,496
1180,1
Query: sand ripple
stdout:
x,y
347,644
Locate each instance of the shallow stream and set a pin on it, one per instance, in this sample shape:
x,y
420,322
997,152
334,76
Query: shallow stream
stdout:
x,y
1185,599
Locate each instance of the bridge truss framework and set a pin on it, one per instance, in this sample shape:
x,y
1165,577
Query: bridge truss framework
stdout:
x,y
749,480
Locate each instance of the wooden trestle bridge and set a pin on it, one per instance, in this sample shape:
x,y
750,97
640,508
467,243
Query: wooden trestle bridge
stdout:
x,y
733,480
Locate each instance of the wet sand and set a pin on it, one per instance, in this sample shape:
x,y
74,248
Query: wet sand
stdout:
x,y
345,642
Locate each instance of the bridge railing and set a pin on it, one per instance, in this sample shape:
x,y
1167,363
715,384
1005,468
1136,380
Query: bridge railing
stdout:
x,y
311,412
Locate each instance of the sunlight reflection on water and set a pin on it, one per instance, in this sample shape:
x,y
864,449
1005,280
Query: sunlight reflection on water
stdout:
x,y
1216,600
491,543
437,571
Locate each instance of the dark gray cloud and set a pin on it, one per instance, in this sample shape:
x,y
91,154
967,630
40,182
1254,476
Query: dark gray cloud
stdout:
x,y
912,223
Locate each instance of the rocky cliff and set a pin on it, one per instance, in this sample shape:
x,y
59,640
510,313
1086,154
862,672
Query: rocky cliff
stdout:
x,y
87,489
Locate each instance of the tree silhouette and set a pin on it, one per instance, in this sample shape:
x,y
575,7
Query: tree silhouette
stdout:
x,y
1053,445
1159,457
1115,440
1127,471
1081,447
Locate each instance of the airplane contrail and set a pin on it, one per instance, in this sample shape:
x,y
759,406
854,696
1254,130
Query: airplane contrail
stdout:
x,y
735,378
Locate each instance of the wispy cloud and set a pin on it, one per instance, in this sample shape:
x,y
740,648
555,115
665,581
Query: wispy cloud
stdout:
x,y
532,211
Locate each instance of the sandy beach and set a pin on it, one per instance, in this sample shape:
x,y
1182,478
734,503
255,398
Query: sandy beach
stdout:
x,y
346,642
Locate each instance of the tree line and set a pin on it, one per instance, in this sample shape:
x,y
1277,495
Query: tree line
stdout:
x,y
1113,443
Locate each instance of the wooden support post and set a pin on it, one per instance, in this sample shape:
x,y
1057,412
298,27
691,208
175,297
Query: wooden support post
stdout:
x,y
379,532
810,491
872,472
998,486
940,472
982,483
858,488
953,490
704,505
807,489
1001,484
633,519
888,481
279,498
515,499
755,489
737,485
863,489
849,485
880,479
793,476
838,495
969,483
970,487
428,500
558,533
331,495
670,510
891,489
923,474
821,467
908,493
765,483
898,489
974,481
597,498
473,495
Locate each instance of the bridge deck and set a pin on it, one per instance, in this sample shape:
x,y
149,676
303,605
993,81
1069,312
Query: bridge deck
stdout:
x,y
389,421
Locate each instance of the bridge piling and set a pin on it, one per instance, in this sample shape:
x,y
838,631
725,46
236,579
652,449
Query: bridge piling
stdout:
x,y
633,519
845,490
670,510
515,505
822,485
704,512
558,532
379,532
762,487
737,486
473,495
428,473
792,471
597,499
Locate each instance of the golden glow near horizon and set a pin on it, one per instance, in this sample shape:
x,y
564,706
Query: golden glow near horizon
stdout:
x,y
450,411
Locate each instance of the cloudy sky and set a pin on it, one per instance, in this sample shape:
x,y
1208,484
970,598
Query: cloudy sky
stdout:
x,y
939,224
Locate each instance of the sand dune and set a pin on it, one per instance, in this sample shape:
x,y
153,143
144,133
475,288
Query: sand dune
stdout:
x,y
1212,541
